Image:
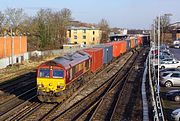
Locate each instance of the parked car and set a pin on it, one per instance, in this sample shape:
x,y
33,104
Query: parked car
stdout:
x,y
169,70
167,60
177,46
165,72
175,115
173,95
170,64
171,79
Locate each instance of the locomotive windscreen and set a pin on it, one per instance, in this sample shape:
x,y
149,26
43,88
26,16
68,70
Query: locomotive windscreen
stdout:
x,y
57,73
43,72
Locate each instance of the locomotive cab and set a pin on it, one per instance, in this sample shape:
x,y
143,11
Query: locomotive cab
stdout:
x,y
50,80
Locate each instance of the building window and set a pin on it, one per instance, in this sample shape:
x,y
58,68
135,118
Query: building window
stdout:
x,y
84,31
93,32
93,38
84,37
75,36
75,31
17,60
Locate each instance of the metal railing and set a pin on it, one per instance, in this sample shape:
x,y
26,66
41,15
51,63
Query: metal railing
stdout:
x,y
156,99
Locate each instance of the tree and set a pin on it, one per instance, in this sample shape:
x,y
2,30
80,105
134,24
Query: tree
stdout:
x,y
14,17
2,18
64,22
165,21
104,27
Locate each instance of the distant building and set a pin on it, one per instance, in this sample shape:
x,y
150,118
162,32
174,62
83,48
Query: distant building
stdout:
x,y
12,50
175,30
117,34
137,31
85,35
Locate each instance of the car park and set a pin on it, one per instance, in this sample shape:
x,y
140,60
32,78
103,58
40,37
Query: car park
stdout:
x,y
170,64
173,95
175,115
171,79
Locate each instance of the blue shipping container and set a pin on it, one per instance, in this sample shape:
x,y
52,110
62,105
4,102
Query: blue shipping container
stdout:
x,y
107,52
128,45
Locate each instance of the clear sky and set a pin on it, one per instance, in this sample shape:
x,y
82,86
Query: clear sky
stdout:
x,y
136,14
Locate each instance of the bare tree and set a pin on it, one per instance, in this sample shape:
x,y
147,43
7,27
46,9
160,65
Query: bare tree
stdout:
x,y
2,18
165,21
104,26
14,17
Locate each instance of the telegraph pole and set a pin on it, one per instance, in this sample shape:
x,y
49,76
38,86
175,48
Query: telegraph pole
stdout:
x,y
12,47
159,19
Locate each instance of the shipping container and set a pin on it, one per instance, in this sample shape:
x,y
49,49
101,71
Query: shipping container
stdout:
x,y
107,52
97,58
12,46
139,41
128,44
122,46
116,48
132,42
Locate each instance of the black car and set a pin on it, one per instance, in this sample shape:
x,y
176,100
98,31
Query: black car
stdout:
x,y
173,95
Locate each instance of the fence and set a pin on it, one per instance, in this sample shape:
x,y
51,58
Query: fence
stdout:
x,y
4,62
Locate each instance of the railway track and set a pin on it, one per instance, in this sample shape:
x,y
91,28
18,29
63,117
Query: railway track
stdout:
x,y
90,101
33,110
110,106
14,104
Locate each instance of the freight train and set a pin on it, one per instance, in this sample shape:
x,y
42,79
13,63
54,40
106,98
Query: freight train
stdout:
x,y
57,79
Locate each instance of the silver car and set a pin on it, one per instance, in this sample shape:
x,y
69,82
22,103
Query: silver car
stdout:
x,y
165,72
171,79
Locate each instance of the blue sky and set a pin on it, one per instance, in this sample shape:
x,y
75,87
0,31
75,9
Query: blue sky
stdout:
x,y
119,13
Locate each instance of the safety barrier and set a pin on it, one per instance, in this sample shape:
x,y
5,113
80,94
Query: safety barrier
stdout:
x,y
156,99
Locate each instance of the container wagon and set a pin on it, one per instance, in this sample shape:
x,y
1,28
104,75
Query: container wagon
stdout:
x,y
107,52
97,58
116,48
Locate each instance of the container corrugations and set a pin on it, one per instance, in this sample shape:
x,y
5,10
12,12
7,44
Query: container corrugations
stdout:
x,y
116,48
97,58
20,46
107,52
139,41
122,46
132,42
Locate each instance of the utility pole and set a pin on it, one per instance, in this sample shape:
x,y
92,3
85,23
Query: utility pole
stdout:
x,y
4,46
159,19
12,47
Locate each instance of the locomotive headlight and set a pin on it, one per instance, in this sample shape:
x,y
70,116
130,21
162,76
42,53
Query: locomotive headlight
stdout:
x,y
40,85
50,84
59,85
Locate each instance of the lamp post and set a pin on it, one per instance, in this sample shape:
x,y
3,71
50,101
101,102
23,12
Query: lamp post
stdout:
x,y
12,47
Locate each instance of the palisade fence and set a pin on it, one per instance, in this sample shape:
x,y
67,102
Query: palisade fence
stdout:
x,y
4,62
156,99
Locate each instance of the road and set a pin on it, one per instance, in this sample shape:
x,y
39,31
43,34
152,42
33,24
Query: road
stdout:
x,y
176,53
